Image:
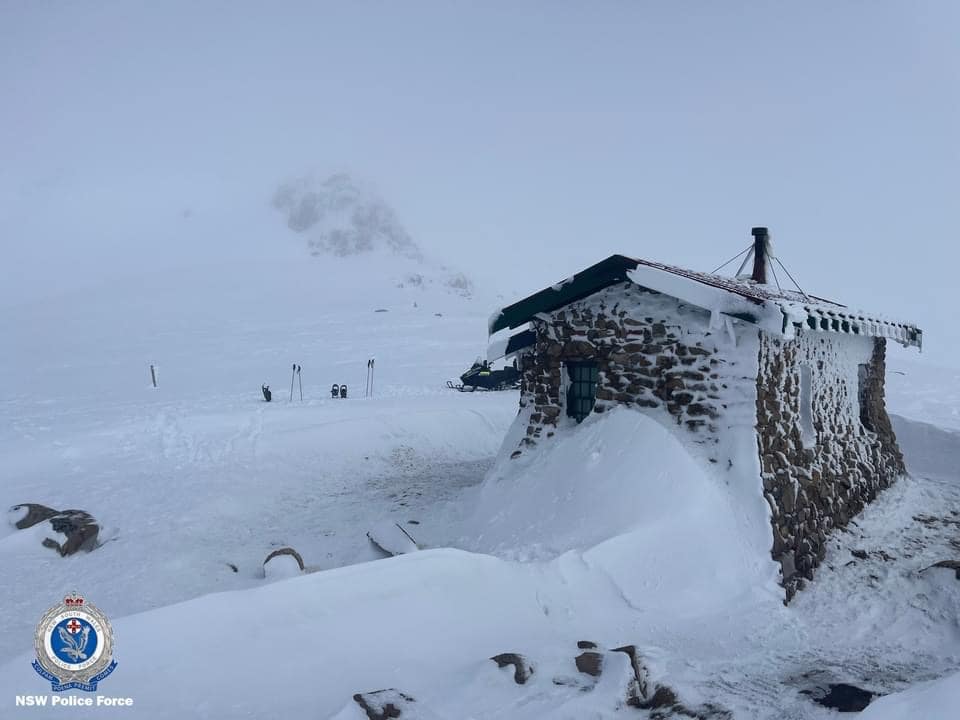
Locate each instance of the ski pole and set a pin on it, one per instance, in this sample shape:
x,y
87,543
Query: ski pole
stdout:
x,y
293,375
300,382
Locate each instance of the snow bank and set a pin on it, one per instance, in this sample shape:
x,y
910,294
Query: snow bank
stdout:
x,y
632,521
620,486
937,700
303,647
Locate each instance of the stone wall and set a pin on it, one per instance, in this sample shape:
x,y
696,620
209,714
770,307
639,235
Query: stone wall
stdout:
x,y
816,481
731,386
652,352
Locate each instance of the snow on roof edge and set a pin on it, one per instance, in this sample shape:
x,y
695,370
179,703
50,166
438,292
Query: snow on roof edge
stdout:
x,y
775,312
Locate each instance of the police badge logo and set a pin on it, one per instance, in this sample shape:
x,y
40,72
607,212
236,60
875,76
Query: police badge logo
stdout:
x,y
74,644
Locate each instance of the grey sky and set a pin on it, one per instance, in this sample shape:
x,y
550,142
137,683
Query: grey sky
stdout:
x,y
549,134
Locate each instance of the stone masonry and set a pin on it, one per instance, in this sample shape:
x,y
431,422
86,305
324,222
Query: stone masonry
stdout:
x,y
825,443
819,483
651,351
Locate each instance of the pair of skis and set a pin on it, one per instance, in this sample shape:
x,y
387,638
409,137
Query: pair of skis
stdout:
x,y
371,366
296,376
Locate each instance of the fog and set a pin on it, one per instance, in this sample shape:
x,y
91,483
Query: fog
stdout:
x,y
518,144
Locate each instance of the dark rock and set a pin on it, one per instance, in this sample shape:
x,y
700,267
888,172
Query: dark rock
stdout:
x,y
859,554
35,513
949,564
662,697
639,687
697,409
522,669
841,697
285,551
590,663
586,645
79,527
384,704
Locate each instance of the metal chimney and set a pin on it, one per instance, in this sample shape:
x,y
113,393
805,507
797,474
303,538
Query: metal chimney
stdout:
x,y
761,243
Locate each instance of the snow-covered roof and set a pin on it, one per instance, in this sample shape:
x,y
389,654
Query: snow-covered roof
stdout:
x,y
776,310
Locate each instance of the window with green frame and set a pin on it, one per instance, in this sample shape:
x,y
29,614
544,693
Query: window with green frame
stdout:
x,y
582,391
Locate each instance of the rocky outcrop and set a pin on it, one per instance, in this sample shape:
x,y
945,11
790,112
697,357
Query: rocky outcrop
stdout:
x,y
342,218
641,692
73,530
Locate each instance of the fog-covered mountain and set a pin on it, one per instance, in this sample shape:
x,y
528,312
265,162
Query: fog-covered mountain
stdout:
x,y
339,217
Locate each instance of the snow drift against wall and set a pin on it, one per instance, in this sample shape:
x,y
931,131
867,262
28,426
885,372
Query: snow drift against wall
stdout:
x,y
671,530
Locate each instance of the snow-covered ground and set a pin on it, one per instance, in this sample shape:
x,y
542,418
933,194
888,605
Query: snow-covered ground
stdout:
x,y
201,472
618,536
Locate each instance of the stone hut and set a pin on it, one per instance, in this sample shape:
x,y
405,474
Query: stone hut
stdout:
x,y
787,386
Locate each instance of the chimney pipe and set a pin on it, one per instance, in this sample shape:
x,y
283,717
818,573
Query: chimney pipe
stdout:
x,y
761,239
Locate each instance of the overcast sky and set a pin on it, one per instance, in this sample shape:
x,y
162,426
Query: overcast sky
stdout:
x,y
519,141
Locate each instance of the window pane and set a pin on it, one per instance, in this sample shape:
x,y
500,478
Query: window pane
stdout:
x,y
581,395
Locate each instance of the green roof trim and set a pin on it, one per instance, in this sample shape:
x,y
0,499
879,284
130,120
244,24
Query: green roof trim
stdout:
x,y
520,341
605,273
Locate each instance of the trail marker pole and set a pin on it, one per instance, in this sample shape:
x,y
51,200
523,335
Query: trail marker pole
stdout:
x,y
300,382
293,376
153,375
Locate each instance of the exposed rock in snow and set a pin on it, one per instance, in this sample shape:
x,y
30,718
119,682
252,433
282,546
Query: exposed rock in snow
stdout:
x,y
29,514
522,668
73,530
948,564
590,663
283,563
460,283
842,697
387,704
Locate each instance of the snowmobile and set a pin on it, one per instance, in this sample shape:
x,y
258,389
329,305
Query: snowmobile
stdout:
x,y
482,377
